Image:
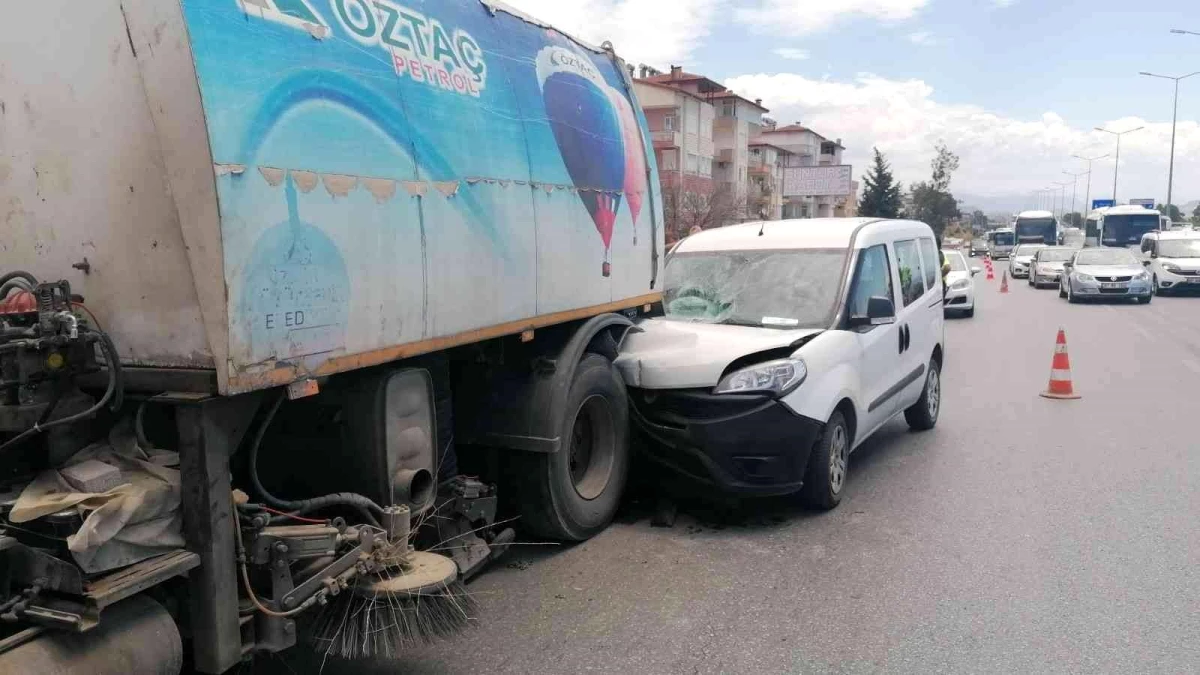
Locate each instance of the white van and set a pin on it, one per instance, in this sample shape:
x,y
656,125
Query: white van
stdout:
x,y
784,345
1173,259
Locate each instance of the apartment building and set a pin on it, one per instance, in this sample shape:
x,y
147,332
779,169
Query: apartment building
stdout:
x,y
710,141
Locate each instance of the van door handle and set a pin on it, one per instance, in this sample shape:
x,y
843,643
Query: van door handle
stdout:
x,y
903,338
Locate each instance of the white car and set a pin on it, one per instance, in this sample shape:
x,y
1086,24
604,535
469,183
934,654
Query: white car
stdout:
x,y
1173,259
1046,267
960,284
783,346
1018,261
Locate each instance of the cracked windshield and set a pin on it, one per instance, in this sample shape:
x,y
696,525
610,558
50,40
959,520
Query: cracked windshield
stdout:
x,y
377,337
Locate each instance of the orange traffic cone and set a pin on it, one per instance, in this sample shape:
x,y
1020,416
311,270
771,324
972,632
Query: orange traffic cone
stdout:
x,y
991,275
1004,282
1060,371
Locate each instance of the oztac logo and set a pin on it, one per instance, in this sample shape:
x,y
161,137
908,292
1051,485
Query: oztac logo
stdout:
x,y
420,47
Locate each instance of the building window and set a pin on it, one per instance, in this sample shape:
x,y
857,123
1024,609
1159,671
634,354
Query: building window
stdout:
x,y
727,108
669,161
669,122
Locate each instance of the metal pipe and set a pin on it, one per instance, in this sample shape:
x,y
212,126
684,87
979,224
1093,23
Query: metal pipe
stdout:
x,y
135,636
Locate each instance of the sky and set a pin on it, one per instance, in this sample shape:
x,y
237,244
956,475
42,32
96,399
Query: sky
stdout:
x,y
1014,87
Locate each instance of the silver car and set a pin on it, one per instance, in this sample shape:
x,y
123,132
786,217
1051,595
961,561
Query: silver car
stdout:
x,y
1018,262
1096,273
1047,265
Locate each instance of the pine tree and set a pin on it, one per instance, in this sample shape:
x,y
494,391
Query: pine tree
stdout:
x,y
881,194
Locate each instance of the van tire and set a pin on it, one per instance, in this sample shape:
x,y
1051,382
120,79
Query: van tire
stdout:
x,y
560,499
821,490
923,415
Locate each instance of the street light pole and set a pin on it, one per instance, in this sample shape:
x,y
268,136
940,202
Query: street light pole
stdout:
x,y
1174,119
1117,161
1075,186
1178,31
1087,201
1062,203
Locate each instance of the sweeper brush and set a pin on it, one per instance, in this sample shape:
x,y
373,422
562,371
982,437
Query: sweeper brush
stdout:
x,y
390,611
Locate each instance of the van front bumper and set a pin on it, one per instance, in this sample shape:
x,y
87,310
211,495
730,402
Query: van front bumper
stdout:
x,y
745,444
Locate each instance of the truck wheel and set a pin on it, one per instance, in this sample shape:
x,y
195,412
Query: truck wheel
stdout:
x,y
825,476
572,495
923,414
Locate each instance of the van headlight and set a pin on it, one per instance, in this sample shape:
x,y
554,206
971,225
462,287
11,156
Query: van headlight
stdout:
x,y
770,377
960,285
1174,269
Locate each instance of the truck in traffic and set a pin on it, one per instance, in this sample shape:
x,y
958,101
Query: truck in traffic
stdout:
x,y
1121,226
1036,227
287,290
1000,242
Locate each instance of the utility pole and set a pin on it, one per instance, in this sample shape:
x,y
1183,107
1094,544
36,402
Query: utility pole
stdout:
x,y
1087,201
1174,119
1117,162
1075,186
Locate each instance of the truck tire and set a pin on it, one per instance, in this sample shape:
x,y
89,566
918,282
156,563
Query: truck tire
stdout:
x,y
573,494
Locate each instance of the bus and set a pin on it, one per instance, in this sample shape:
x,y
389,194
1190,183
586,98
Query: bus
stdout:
x,y
1120,226
1000,242
1036,227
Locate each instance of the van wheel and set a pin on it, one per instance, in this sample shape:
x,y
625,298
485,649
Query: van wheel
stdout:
x,y
923,414
825,477
573,494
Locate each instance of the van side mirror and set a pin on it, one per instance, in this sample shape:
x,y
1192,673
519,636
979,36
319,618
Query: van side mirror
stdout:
x,y
976,270
880,311
1146,263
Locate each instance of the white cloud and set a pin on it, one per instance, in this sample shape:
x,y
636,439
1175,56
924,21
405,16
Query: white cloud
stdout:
x,y
1000,155
642,31
1003,3
791,53
922,37
809,16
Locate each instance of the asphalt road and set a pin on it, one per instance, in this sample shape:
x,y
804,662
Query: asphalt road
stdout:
x,y
1021,535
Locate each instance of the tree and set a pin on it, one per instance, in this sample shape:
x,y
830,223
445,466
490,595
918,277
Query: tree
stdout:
x,y
881,194
1196,216
932,202
1175,214
1073,219
979,221
689,211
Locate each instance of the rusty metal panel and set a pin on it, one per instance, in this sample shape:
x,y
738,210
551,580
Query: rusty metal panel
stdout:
x,y
82,177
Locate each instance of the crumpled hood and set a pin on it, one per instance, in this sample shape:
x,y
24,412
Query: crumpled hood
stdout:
x,y
664,354
1109,270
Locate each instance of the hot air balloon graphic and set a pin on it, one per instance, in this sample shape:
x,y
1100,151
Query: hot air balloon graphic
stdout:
x,y
587,129
635,156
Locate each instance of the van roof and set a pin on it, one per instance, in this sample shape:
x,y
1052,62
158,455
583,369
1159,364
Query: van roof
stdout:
x,y
1173,234
1035,214
795,233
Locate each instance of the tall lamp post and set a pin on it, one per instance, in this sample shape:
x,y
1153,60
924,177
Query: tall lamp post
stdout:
x,y
1174,118
1179,31
1087,201
1117,161
1062,202
1075,186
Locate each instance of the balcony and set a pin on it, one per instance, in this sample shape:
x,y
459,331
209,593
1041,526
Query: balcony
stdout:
x,y
666,139
724,155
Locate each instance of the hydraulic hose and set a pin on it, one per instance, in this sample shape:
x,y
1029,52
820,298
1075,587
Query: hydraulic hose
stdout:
x,y
17,282
115,383
363,504
19,274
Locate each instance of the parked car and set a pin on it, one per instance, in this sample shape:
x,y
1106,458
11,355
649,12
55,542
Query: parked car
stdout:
x,y
979,247
782,348
1095,273
1046,266
1018,261
1173,259
960,284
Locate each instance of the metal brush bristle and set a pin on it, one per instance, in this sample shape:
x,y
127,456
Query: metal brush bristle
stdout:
x,y
399,609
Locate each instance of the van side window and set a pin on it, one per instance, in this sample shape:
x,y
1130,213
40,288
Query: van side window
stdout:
x,y
872,276
1146,246
930,260
908,262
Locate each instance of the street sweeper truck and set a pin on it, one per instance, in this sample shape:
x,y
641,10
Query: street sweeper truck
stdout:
x,y
303,303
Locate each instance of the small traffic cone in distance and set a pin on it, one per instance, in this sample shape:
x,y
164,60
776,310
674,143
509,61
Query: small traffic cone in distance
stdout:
x,y
1004,282
1061,386
991,275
